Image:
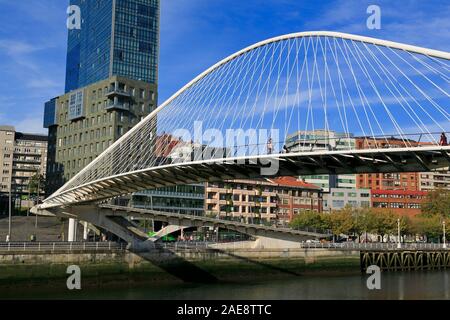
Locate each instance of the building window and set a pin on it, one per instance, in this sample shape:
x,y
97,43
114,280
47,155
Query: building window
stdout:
x,y
338,203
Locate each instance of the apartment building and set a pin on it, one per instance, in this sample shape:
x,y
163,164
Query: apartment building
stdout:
x,y
387,181
89,120
270,200
338,198
22,155
438,179
404,202
111,83
323,140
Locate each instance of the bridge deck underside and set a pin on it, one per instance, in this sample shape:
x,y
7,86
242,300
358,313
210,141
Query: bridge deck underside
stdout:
x,y
330,162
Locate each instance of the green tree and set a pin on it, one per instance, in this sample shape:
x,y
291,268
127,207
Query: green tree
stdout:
x,y
342,221
406,225
364,221
385,223
309,219
429,226
437,203
36,184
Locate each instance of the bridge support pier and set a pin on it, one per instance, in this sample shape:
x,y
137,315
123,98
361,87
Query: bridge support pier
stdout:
x,y
171,228
72,232
85,230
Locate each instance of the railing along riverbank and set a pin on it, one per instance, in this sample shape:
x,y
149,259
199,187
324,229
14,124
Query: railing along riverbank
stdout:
x,y
303,245
60,247
52,247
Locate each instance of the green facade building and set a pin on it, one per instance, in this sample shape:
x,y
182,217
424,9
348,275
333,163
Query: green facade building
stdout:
x,y
111,83
90,119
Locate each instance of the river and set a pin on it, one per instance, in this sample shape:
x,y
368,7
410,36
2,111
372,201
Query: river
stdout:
x,y
394,286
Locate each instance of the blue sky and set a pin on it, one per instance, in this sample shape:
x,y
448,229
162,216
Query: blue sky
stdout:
x,y
194,35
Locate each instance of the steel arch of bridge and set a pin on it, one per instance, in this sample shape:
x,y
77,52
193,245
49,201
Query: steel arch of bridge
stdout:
x,y
94,182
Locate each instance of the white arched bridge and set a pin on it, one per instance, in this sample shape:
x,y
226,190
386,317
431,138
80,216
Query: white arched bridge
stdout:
x,y
300,104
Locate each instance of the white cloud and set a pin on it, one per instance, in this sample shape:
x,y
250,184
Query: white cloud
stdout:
x,y
30,124
402,21
42,84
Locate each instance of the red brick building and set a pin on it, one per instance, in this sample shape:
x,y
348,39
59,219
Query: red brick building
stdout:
x,y
165,144
271,200
387,181
402,202
296,196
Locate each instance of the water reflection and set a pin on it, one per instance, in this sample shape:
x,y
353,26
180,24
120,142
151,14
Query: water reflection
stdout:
x,y
402,285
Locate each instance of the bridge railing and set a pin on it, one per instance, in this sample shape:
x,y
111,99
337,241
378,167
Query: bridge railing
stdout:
x,y
63,247
56,247
374,246
305,143
185,245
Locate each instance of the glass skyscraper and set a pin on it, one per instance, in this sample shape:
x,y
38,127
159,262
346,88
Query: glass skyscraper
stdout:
x,y
117,37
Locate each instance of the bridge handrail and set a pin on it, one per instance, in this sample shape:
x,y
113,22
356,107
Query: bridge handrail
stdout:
x,y
60,246
374,246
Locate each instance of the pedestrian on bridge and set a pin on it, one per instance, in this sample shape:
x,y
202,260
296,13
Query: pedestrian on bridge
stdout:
x,y
443,141
269,146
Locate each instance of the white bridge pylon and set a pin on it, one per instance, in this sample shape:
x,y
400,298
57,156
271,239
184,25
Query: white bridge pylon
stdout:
x,y
303,103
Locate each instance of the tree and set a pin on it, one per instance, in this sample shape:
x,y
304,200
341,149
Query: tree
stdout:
x,y
36,184
406,225
437,203
429,226
385,223
342,221
309,219
364,221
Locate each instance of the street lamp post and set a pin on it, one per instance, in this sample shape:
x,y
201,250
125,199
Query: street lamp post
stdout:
x,y
38,196
443,227
151,208
29,198
8,237
399,245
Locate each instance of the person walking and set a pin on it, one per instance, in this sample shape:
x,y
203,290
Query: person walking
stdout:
x,y
269,146
443,141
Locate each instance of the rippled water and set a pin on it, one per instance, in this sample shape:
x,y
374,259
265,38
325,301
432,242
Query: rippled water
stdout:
x,y
402,285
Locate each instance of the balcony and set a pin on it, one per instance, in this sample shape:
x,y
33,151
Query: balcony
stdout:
x,y
28,153
118,93
124,106
171,194
31,161
31,169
